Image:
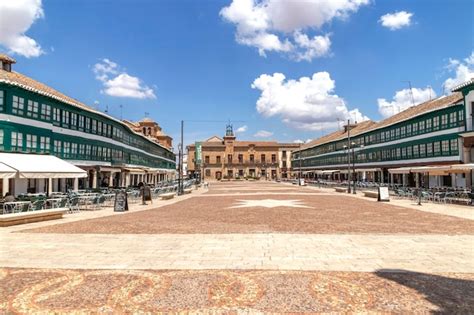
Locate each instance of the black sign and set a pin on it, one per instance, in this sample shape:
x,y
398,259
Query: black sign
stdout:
x,y
121,201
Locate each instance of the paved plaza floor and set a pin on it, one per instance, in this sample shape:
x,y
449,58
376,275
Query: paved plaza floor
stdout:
x,y
244,247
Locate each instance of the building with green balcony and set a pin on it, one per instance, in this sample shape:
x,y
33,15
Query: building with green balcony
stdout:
x,y
426,136
36,119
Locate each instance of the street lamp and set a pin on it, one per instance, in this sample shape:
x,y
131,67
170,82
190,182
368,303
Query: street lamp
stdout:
x,y
345,147
353,166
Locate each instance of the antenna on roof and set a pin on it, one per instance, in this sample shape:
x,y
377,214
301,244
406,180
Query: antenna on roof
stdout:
x,y
411,93
107,108
429,89
121,112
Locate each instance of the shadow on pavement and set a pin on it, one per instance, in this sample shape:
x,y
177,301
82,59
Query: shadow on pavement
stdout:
x,y
450,295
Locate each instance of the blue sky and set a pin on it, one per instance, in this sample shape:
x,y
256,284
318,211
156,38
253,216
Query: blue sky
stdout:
x,y
196,62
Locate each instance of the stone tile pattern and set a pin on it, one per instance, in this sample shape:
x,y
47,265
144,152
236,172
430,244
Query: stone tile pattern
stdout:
x,y
49,291
326,215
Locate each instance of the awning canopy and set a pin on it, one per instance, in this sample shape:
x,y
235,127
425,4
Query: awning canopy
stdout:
x,y
40,166
434,169
6,171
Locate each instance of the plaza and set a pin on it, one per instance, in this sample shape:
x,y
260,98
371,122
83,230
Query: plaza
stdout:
x,y
245,247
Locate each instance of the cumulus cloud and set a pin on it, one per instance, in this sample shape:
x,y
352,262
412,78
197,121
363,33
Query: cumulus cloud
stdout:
x,y
403,100
16,18
117,82
263,134
396,20
283,26
242,129
463,71
306,103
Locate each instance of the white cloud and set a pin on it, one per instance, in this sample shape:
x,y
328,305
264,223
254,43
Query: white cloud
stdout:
x,y
282,26
118,83
403,100
307,103
16,18
298,141
464,71
396,20
242,129
263,134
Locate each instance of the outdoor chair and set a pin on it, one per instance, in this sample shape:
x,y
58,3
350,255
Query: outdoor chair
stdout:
x,y
37,205
73,205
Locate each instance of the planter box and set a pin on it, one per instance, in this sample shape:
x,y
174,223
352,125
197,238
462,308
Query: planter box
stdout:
x,y
31,216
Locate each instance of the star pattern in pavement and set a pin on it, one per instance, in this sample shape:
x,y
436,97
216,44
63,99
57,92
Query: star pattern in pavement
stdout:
x,y
269,203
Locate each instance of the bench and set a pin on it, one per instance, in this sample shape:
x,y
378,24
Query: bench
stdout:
x,y
188,190
167,196
370,194
31,216
340,189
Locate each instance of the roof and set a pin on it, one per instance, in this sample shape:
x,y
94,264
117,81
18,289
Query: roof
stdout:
x,y
4,57
411,112
27,83
340,134
459,87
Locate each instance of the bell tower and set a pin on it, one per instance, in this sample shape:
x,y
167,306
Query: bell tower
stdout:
x,y
229,133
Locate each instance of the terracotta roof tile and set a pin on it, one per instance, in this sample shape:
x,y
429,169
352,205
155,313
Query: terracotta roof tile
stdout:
x,y
4,57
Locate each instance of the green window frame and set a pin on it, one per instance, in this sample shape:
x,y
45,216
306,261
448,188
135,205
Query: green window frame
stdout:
x,y
2,139
436,123
45,143
18,105
45,112
16,141
32,109
56,116
2,101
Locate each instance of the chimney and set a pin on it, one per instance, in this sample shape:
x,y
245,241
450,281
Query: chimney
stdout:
x,y
349,127
6,62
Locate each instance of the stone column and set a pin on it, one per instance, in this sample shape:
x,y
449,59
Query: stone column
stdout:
x,y
111,179
76,184
94,179
50,186
5,186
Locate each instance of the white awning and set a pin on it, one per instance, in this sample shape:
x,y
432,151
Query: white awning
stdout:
x,y
40,166
400,170
368,170
6,171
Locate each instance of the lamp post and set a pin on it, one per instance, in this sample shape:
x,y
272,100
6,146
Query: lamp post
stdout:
x,y
299,173
348,156
353,166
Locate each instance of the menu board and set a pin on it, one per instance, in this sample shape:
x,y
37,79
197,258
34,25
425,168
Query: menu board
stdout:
x,y
121,201
383,194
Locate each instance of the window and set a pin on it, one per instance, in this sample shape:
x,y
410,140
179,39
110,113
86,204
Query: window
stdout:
x,y
421,126
445,147
262,158
73,149
428,125
208,173
408,130
402,131
206,159
17,141
18,107
99,127
88,123
82,150
2,100
415,128
73,120
429,149
436,123
56,116
32,109
229,158
241,158
460,113
57,147
444,120
274,159
81,122
66,149
382,136
1,139
454,146
65,118
415,151
404,152
44,144
94,126
252,158
452,118
218,159
422,150
31,143
45,112
437,148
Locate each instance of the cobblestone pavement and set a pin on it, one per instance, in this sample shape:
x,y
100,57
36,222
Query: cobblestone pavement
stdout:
x,y
231,292
243,248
